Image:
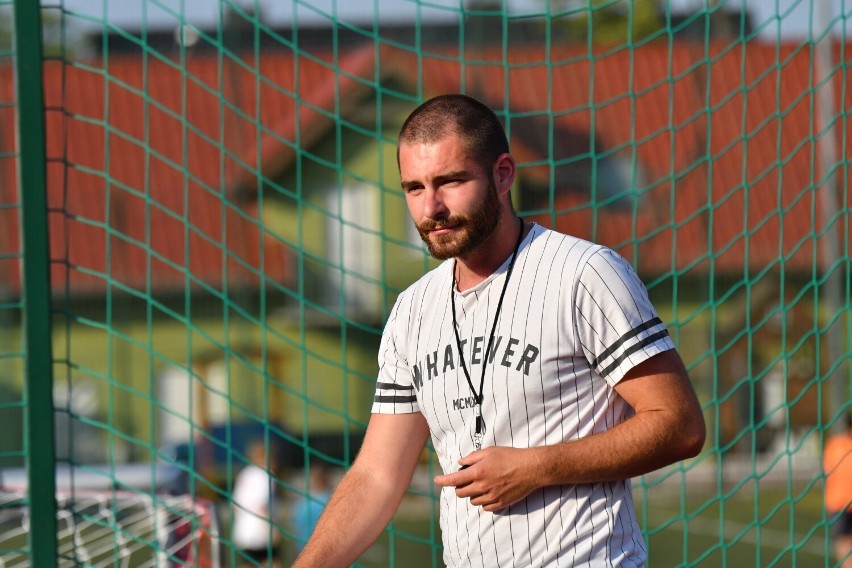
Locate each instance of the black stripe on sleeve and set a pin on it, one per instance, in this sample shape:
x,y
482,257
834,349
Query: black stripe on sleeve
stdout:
x,y
395,399
644,343
404,394
394,386
626,337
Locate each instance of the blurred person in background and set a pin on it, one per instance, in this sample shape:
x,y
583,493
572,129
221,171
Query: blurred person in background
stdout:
x,y
837,465
254,532
308,506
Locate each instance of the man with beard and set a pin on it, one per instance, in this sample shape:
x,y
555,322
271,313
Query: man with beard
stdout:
x,y
533,359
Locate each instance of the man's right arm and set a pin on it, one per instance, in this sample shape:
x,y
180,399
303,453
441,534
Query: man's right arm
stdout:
x,y
370,492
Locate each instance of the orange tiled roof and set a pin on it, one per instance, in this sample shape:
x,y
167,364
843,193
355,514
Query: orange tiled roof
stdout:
x,y
141,161
730,169
143,154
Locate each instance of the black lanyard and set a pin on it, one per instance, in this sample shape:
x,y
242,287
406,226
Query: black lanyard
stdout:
x,y
480,423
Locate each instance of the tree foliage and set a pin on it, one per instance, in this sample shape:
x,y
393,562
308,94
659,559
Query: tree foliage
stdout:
x,y
608,21
59,38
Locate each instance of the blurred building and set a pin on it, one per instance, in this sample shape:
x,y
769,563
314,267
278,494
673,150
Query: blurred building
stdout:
x,y
227,222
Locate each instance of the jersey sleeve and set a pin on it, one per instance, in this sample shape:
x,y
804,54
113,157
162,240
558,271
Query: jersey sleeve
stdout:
x,y
617,326
394,386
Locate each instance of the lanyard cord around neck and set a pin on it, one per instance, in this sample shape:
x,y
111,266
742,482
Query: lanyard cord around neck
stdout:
x,y
480,423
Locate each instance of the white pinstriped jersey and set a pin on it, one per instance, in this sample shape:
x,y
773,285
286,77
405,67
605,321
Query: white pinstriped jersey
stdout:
x,y
574,320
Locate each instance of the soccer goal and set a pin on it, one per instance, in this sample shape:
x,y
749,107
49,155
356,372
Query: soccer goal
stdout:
x,y
122,528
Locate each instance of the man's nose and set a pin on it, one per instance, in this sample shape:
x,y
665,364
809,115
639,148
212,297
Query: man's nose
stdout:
x,y
433,204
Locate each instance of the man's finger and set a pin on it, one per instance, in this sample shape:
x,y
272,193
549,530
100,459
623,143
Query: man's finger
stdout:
x,y
453,479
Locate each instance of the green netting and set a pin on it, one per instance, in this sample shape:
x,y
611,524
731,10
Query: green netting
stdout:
x,y
227,236
11,348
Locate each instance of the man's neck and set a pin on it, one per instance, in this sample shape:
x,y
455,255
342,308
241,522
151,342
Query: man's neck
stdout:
x,y
478,265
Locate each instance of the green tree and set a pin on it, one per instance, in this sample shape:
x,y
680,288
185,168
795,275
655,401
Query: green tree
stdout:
x,y
59,36
608,21
5,30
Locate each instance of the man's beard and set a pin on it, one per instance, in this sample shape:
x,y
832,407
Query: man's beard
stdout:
x,y
469,233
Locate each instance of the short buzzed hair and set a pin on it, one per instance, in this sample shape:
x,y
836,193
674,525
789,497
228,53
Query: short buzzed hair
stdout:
x,y
478,127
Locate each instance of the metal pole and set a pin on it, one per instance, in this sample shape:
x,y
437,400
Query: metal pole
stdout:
x,y
41,461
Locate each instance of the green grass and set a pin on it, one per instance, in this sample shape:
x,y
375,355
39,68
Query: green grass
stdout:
x,y
745,526
775,527
753,523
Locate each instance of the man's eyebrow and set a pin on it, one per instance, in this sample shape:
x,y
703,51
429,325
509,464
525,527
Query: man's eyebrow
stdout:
x,y
438,180
460,174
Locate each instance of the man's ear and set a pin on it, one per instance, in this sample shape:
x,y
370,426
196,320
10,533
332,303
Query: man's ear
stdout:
x,y
504,173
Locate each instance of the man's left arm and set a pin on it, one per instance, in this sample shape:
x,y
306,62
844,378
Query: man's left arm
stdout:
x,y
668,426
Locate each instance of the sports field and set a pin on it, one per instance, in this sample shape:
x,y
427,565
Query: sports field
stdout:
x,y
704,539
744,523
752,532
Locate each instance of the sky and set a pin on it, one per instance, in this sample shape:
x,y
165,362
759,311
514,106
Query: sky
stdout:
x,y
771,18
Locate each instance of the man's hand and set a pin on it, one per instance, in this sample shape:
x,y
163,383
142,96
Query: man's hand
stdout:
x,y
668,426
494,478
